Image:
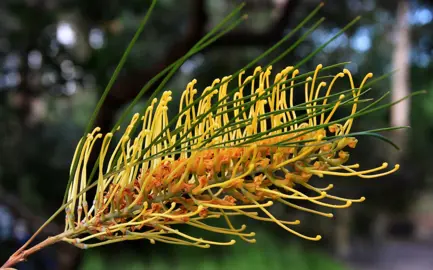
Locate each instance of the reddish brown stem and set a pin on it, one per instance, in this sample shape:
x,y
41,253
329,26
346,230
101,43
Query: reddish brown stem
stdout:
x,y
21,256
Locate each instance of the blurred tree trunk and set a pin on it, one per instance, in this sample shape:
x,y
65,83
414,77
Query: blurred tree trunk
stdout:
x,y
400,81
400,113
400,116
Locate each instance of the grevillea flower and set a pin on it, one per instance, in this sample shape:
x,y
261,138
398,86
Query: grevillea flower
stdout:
x,y
229,154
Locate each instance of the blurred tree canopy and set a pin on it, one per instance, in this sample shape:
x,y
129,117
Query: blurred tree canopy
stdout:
x,y
57,56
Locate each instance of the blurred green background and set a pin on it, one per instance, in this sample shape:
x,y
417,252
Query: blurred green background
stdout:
x,y
56,57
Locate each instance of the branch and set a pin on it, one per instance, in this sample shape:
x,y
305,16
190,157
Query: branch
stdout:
x,y
268,37
68,257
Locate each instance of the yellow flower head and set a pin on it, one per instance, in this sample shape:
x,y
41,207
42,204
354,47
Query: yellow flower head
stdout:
x,y
229,154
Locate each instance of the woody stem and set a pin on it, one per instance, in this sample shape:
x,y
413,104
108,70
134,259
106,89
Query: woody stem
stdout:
x,y
22,255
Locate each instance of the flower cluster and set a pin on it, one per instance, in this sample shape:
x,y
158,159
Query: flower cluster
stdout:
x,y
229,154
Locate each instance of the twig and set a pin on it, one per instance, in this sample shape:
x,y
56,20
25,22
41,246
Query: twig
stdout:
x,y
21,256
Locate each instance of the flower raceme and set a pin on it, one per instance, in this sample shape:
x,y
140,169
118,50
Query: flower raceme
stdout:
x,y
229,154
